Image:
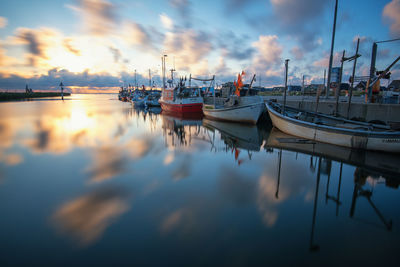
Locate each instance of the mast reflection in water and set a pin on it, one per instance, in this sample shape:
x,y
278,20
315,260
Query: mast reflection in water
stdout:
x,y
91,180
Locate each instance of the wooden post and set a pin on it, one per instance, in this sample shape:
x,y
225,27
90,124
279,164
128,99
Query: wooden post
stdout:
x,y
371,72
339,84
352,80
213,90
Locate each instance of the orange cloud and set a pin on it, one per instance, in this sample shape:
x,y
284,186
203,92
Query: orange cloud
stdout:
x,y
3,22
391,13
99,16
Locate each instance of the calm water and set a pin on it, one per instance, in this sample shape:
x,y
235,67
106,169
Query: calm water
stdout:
x,y
91,180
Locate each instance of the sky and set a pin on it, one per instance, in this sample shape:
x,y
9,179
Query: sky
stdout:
x,y
97,45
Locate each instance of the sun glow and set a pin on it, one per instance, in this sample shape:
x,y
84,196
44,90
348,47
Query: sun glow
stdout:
x,y
79,121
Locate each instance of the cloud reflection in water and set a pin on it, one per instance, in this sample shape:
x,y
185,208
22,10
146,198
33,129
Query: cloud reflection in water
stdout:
x,y
87,217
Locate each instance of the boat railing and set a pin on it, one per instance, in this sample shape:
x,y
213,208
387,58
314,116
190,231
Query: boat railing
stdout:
x,y
330,117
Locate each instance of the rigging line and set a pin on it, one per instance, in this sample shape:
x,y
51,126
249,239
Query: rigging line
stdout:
x,y
387,41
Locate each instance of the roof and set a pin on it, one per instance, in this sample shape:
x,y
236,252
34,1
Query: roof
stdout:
x,y
394,84
361,84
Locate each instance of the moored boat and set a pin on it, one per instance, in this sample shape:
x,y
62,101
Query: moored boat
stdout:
x,y
153,100
181,99
245,109
333,130
239,107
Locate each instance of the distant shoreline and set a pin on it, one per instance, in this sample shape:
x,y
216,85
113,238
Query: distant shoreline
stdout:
x,y
6,96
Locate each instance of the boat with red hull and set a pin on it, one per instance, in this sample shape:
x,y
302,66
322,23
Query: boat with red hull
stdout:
x,y
181,108
181,99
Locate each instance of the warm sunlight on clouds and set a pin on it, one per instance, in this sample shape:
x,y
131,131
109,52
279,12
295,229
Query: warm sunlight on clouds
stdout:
x,y
104,41
3,22
392,13
166,21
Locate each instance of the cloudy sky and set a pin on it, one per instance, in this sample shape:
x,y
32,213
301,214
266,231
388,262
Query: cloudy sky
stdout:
x,y
98,44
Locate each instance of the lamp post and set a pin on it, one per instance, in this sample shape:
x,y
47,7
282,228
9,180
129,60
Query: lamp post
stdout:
x,y
62,91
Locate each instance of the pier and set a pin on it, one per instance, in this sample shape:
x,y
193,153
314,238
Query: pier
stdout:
x,y
14,96
359,109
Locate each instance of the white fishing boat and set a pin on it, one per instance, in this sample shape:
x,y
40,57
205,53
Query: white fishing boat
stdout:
x,y
333,130
239,107
245,109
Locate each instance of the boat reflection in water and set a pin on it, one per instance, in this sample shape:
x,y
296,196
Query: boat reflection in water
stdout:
x,y
180,129
372,169
380,163
236,137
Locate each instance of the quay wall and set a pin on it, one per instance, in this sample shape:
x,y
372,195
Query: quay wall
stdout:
x,y
365,111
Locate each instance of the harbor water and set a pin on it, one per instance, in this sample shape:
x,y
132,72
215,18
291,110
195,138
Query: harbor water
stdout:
x,y
91,180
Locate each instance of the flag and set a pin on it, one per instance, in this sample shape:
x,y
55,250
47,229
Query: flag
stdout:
x,y
240,83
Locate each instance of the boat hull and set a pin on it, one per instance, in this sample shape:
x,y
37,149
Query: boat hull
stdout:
x,y
243,114
380,141
138,103
181,108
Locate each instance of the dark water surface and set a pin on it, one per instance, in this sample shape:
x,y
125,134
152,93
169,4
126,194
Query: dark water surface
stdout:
x,y
92,181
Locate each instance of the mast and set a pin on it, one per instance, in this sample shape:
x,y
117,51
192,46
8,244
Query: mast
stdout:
x,y
163,69
331,54
150,79
135,80
284,95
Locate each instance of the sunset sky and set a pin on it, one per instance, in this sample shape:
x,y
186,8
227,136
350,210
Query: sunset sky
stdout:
x,y
96,45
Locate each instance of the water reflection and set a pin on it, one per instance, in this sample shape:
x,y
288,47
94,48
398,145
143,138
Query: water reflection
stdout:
x,y
374,169
107,162
360,178
250,191
87,217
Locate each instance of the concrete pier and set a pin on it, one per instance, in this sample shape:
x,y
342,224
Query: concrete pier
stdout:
x,y
9,96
